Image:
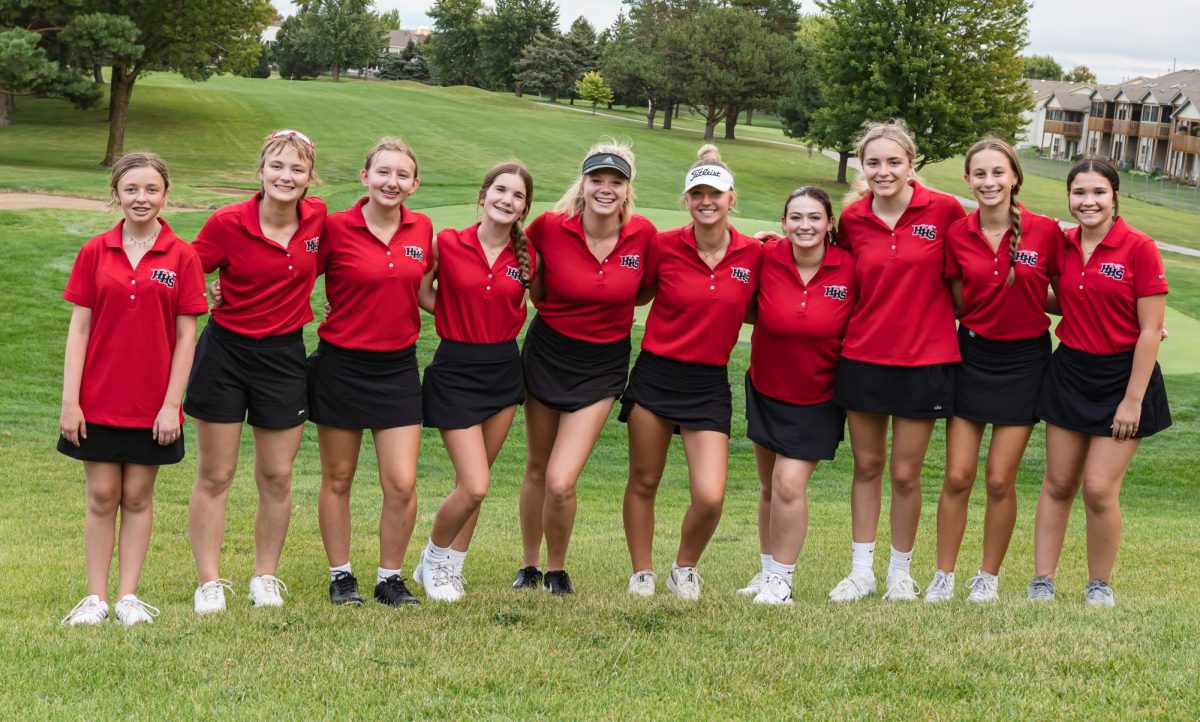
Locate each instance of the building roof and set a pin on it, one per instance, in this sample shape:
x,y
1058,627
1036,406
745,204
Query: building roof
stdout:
x,y
1043,89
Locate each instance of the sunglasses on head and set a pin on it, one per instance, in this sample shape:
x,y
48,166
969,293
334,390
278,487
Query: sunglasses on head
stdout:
x,y
288,133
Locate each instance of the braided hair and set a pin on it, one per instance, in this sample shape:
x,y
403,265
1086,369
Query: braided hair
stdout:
x,y
1014,207
516,232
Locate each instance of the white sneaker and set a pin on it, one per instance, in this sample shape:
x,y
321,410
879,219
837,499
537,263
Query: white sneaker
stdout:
x,y
775,590
901,587
266,590
984,588
130,611
90,610
642,583
853,588
684,583
440,580
210,596
941,589
757,582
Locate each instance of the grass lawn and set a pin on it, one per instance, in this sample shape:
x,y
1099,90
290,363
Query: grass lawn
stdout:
x,y
500,654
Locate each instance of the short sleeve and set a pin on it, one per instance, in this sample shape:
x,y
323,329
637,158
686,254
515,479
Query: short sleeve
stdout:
x,y
81,285
651,261
951,269
536,229
191,298
209,246
843,238
426,229
1148,276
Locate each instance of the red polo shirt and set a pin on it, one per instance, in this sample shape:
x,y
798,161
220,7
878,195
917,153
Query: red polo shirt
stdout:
x,y
904,315
698,310
1099,300
477,302
132,335
992,308
266,286
372,286
799,329
586,299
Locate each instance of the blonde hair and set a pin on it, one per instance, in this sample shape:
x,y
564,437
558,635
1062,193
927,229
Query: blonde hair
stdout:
x,y
130,161
1014,208
277,143
709,154
895,130
393,144
572,200
519,240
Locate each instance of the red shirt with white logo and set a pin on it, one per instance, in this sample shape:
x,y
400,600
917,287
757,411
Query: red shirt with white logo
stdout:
x,y
588,299
992,308
800,326
132,336
372,285
698,311
904,315
478,302
265,286
1099,299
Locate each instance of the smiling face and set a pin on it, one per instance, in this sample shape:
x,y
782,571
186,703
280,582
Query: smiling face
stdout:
x,y
391,179
991,178
708,206
505,201
141,193
887,167
285,175
1092,200
604,192
806,224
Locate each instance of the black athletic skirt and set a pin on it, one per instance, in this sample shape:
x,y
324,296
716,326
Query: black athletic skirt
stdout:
x,y
998,382
810,431
120,445
910,392
567,374
353,389
468,383
1082,391
690,395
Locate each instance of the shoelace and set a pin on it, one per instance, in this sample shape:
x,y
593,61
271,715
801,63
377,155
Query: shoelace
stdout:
x,y
211,590
690,577
344,583
644,577
135,603
1040,586
980,583
273,585
456,580
905,585
443,573
86,604
941,583
1097,587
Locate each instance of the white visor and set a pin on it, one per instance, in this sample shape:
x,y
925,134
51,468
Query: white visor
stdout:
x,y
713,176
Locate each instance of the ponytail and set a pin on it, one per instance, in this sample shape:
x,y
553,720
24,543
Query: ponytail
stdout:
x,y
521,246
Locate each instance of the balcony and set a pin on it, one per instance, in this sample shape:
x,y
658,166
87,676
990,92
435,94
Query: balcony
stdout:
x,y
1185,143
1100,125
1162,131
1125,127
1063,128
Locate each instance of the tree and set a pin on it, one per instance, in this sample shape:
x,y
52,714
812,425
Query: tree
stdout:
x,y
343,33
292,62
454,48
1041,67
263,69
592,88
405,65
548,66
952,71
720,58
632,57
777,16
506,30
1081,74
795,109
585,49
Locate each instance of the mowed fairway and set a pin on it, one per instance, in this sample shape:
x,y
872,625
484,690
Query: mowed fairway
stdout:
x,y
506,655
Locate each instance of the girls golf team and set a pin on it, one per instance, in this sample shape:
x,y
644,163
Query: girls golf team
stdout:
x,y
854,326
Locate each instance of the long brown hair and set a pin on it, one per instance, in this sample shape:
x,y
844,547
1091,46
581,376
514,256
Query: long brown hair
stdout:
x,y
1014,208
517,232
821,197
1104,168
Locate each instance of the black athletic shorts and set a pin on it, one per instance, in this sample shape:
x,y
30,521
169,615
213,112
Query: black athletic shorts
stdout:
x,y
468,383
998,382
567,374
354,389
797,431
1081,392
689,395
121,445
910,392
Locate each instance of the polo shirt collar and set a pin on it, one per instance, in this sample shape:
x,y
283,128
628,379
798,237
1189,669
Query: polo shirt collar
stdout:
x,y
250,214
737,241
574,224
356,219
469,237
920,199
784,252
1113,239
974,225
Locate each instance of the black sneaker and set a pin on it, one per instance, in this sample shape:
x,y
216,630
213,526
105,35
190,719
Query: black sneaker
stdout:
x,y
528,578
344,589
392,591
558,583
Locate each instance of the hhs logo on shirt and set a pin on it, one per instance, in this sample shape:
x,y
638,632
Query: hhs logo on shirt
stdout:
x,y
1029,258
415,252
926,231
738,273
1115,271
513,273
839,293
164,276
631,261
312,244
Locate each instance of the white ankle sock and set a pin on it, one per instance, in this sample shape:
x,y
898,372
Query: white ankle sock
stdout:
x,y
783,570
862,558
337,570
900,560
435,553
456,560
766,562
383,574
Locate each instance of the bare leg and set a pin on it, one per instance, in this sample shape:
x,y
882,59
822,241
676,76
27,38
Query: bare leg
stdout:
x,y
274,453
868,442
472,456
1004,460
541,429
963,440
396,450
1066,452
789,507
708,468
100,522
764,464
137,521
649,438
577,434
1103,472
339,449
216,462
910,441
